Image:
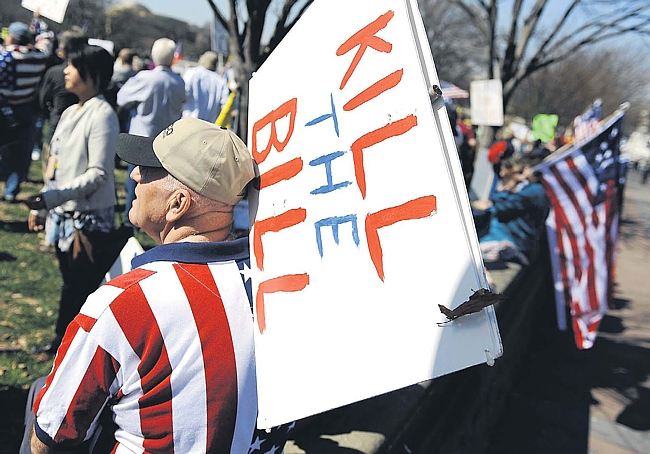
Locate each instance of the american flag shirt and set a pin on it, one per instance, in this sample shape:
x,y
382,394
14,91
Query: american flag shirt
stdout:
x,y
21,69
168,350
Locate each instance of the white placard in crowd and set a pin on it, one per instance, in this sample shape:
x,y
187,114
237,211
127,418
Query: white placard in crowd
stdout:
x,y
108,45
486,102
363,225
52,9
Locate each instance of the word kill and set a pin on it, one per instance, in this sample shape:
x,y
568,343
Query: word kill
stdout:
x,y
364,39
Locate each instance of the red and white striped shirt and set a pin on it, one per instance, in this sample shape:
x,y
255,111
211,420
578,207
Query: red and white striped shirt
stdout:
x,y
168,348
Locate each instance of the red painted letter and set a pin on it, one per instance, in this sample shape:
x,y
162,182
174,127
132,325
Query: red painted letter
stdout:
x,y
274,224
415,209
288,283
365,38
375,90
288,108
373,138
282,172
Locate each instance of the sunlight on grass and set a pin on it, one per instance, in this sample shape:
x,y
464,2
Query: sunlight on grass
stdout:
x,y
29,289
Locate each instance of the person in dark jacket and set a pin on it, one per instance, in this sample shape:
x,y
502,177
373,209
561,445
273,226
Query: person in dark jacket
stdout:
x,y
517,218
53,97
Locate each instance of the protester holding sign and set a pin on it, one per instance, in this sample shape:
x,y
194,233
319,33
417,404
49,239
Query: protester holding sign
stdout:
x,y
167,348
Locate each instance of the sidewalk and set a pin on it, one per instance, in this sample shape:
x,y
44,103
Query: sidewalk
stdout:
x,y
595,401
620,421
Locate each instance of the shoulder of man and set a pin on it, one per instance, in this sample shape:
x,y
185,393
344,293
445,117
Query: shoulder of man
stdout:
x,y
107,294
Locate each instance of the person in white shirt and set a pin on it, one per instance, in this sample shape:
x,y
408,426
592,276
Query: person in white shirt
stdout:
x,y
206,90
156,98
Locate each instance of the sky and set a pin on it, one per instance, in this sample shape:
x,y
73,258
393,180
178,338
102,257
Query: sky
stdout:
x,y
198,12
195,12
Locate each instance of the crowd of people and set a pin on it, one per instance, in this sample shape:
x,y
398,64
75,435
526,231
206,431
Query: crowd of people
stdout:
x,y
86,98
144,91
135,358
159,359
510,221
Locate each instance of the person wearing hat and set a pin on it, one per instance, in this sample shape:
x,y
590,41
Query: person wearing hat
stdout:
x,y
206,90
167,348
21,69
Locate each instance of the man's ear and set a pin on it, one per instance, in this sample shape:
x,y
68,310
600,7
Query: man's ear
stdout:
x,y
178,205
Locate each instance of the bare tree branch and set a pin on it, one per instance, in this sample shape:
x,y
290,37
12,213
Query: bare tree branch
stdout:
x,y
492,27
508,59
286,9
300,13
218,14
597,25
529,27
474,15
555,30
232,25
537,63
255,26
281,27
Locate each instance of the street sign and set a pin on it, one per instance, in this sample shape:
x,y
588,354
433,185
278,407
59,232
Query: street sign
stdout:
x,y
52,9
486,102
361,225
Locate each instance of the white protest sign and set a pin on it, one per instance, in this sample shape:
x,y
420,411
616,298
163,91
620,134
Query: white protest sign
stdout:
x,y
104,43
486,102
363,224
52,9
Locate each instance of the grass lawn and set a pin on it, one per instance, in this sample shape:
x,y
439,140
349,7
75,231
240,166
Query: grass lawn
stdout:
x,y
29,297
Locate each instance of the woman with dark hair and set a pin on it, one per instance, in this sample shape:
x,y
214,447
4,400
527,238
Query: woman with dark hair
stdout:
x,y
79,190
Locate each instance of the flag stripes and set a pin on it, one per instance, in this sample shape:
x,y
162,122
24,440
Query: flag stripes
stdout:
x,y
582,227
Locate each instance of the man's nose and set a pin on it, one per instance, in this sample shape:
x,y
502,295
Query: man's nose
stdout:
x,y
135,174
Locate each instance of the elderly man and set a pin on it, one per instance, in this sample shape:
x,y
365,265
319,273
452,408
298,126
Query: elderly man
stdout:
x,y
21,69
168,347
206,90
156,98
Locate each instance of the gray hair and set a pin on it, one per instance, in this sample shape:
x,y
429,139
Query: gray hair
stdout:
x,y
201,202
209,60
162,51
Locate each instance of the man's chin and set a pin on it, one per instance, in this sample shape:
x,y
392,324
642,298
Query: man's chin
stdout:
x,y
132,219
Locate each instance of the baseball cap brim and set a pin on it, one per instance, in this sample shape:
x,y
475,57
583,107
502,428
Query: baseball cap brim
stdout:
x,y
137,150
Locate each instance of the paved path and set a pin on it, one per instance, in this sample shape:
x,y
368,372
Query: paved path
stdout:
x,y
596,401
624,404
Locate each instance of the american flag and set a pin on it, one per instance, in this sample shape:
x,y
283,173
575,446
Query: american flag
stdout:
x,y
587,124
451,91
582,185
178,52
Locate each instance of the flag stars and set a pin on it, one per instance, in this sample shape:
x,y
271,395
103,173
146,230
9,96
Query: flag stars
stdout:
x,y
257,444
245,272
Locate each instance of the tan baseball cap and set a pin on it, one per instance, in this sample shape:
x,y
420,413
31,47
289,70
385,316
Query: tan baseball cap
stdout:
x,y
207,158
